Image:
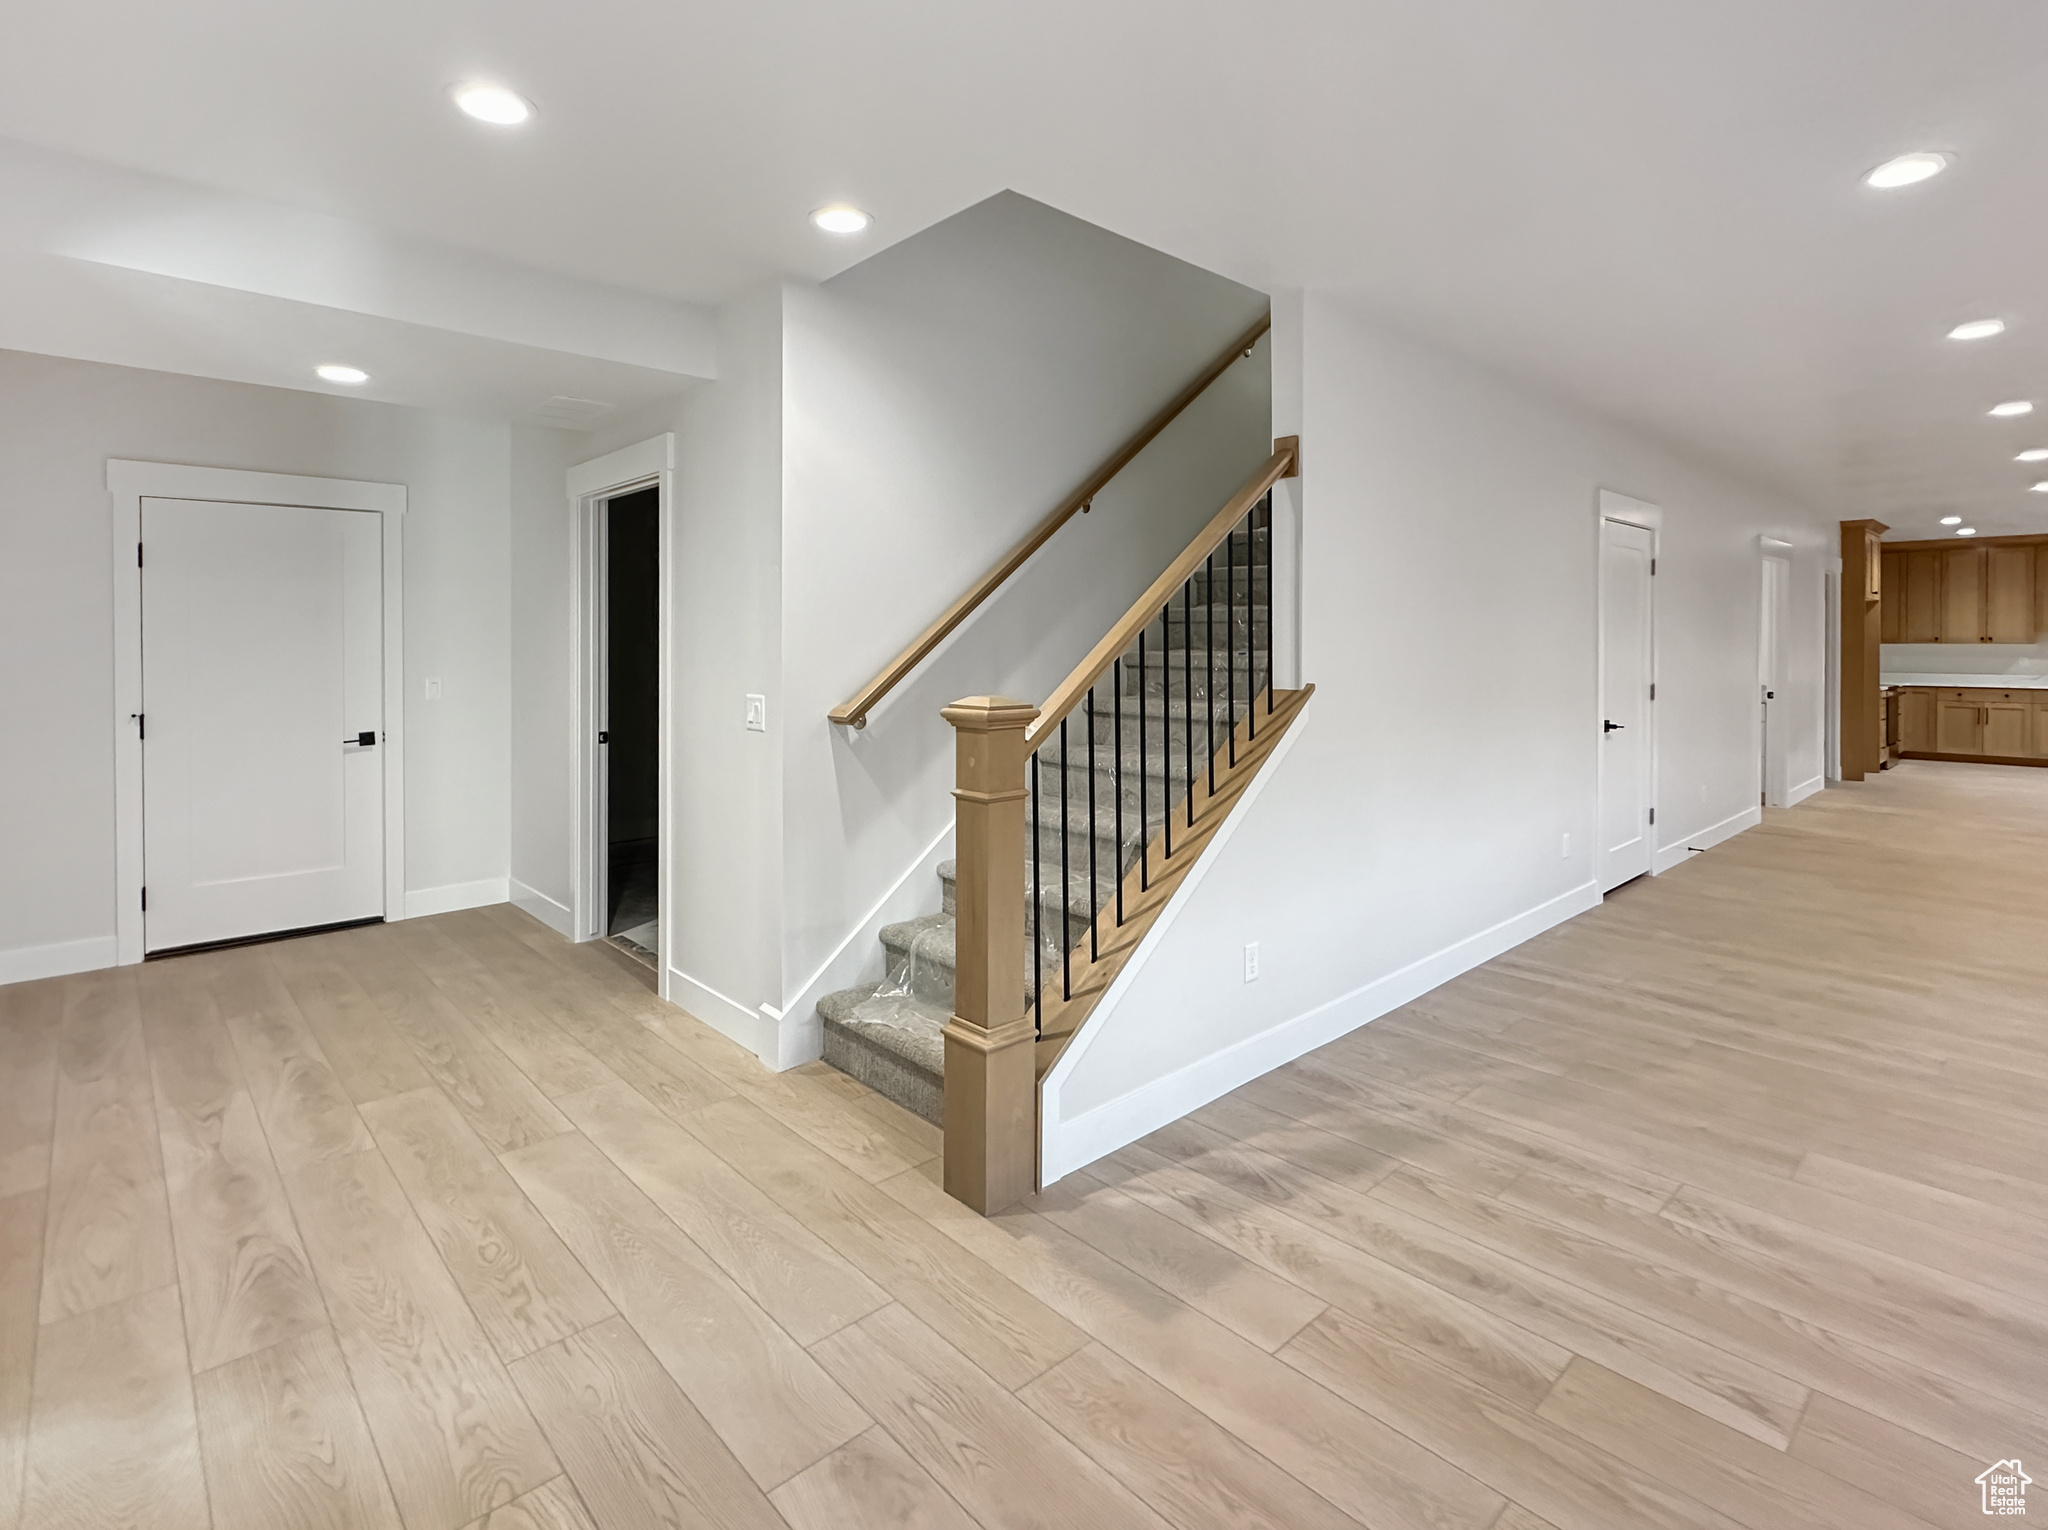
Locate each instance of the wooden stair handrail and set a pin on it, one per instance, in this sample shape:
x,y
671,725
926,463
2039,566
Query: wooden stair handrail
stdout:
x,y
855,711
1070,691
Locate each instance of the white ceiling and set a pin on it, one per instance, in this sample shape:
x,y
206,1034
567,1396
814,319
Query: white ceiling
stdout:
x,y
1652,208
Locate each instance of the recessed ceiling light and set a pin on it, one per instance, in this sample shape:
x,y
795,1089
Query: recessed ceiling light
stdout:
x,y
2033,454
493,104
2011,407
1978,329
1906,170
1966,531
333,372
841,219
2039,488
1951,520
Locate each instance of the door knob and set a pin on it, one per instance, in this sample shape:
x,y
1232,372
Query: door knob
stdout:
x,y
367,740
1612,727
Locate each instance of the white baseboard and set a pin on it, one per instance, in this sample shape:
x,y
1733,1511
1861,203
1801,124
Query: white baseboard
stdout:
x,y
1705,839
1805,789
1069,1145
554,915
421,901
752,1029
859,957
24,964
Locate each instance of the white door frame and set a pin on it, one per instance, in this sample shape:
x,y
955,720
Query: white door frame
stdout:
x,y
1776,788
1831,649
646,464
132,482
1632,512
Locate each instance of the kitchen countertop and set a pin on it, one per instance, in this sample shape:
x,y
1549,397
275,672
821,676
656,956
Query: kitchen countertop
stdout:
x,y
1972,682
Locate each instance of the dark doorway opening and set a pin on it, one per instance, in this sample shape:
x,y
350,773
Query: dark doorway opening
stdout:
x,y
632,718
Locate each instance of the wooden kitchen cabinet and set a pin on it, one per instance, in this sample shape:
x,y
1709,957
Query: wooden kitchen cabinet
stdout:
x,y
1958,725
1918,593
2037,740
2007,725
1916,720
1962,595
1892,617
2009,594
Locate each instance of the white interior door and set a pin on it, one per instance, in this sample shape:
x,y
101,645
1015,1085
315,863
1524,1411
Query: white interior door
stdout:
x,y
263,790
1625,675
1770,648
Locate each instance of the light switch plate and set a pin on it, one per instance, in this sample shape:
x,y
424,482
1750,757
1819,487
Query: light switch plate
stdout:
x,y
1251,961
433,690
757,713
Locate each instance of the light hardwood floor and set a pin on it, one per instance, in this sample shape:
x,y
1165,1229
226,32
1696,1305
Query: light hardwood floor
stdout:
x,y
1723,1205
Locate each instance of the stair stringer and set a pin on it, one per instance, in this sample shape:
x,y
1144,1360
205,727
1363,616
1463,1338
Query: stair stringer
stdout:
x,y
1061,1148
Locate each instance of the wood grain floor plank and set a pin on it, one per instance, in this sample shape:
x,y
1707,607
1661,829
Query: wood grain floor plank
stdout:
x,y
109,1234
1339,1451
1169,1453
641,1456
551,1506
1512,1450
21,1275
516,1016
977,1309
1492,1350
1747,1481
307,1116
869,1483
981,1444
370,1058
506,1108
242,1272
768,1400
285,1444
455,1439
30,1016
1970,1216
525,1287
793,1275
1896,1465
1209,1275
112,1437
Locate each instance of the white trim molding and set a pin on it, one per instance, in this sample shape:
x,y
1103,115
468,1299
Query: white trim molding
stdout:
x,y
1807,788
24,964
422,901
758,1030
857,959
645,464
551,912
1681,851
129,484
1069,1145
1637,512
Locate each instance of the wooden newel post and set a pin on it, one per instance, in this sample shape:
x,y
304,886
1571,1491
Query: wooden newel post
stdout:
x,y
991,1111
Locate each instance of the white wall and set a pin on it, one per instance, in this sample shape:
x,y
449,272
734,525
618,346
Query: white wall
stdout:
x,y
1413,826
542,648
59,423
1964,658
940,398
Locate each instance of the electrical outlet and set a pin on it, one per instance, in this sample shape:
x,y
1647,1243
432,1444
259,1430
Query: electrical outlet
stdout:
x,y
757,713
433,690
1566,851
1251,961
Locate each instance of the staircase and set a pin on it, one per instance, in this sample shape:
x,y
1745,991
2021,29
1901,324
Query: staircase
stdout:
x,y
1189,702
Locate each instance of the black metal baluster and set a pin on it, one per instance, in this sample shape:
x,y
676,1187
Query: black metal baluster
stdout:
x,y
1037,905
1230,656
1187,664
1144,806
1066,877
1094,947
1251,632
1116,728
1166,726
1270,603
1209,663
